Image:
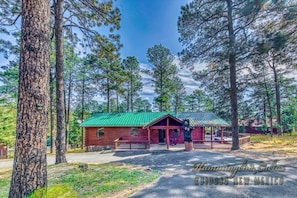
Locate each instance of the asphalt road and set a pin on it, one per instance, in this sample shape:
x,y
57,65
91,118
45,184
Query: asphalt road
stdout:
x,y
178,177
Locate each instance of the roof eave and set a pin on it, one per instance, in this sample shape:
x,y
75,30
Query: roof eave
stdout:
x,y
159,119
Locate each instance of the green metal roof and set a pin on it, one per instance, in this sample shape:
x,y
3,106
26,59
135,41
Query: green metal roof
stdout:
x,y
144,118
207,119
123,119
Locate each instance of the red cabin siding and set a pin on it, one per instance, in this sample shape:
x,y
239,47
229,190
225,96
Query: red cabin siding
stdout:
x,y
154,136
110,134
113,133
165,124
198,133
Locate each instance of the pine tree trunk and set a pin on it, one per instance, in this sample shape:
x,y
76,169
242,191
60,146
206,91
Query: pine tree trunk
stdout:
x,y
128,97
128,101
82,110
192,104
264,109
277,96
176,104
131,94
108,96
30,166
67,116
270,108
233,84
60,139
52,113
161,101
117,100
234,108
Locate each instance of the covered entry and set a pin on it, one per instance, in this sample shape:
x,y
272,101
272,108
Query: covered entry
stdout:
x,y
164,130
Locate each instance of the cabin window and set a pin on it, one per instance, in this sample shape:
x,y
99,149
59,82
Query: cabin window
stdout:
x,y
134,131
100,133
176,133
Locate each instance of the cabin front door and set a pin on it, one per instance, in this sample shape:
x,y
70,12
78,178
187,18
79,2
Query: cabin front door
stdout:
x,y
161,135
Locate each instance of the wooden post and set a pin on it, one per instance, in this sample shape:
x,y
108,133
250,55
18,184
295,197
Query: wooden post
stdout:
x,y
203,132
222,134
149,137
115,144
167,134
211,142
83,133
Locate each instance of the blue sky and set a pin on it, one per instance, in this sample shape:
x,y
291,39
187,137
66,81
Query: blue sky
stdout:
x,y
146,23
149,22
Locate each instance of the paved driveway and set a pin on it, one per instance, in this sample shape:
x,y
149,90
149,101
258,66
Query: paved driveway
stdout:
x,y
177,179
178,176
91,157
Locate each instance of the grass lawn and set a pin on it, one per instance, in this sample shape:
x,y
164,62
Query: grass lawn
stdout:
x,y
100,180
5,175
286,143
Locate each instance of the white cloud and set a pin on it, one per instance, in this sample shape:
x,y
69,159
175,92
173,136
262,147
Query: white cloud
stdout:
x,y
195,67
184,73
148,86
146,90
99,99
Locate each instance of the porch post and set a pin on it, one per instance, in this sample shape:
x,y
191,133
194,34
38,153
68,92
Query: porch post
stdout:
x,y
149,137
222,133
167,134
83,143
204,132
211,143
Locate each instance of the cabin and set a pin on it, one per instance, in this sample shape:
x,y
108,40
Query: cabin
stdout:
x,y
111,130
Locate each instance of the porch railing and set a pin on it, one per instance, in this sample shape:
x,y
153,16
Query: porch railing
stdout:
x,y
139,140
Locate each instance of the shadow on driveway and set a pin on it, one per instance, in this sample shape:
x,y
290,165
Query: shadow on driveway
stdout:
x,y
177,179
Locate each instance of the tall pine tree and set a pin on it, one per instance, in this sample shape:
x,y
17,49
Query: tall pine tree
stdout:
x,y
163,73
215,32
133,84
30,165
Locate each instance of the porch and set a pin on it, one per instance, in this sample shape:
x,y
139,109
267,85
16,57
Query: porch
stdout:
x,y
197,144
153,147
